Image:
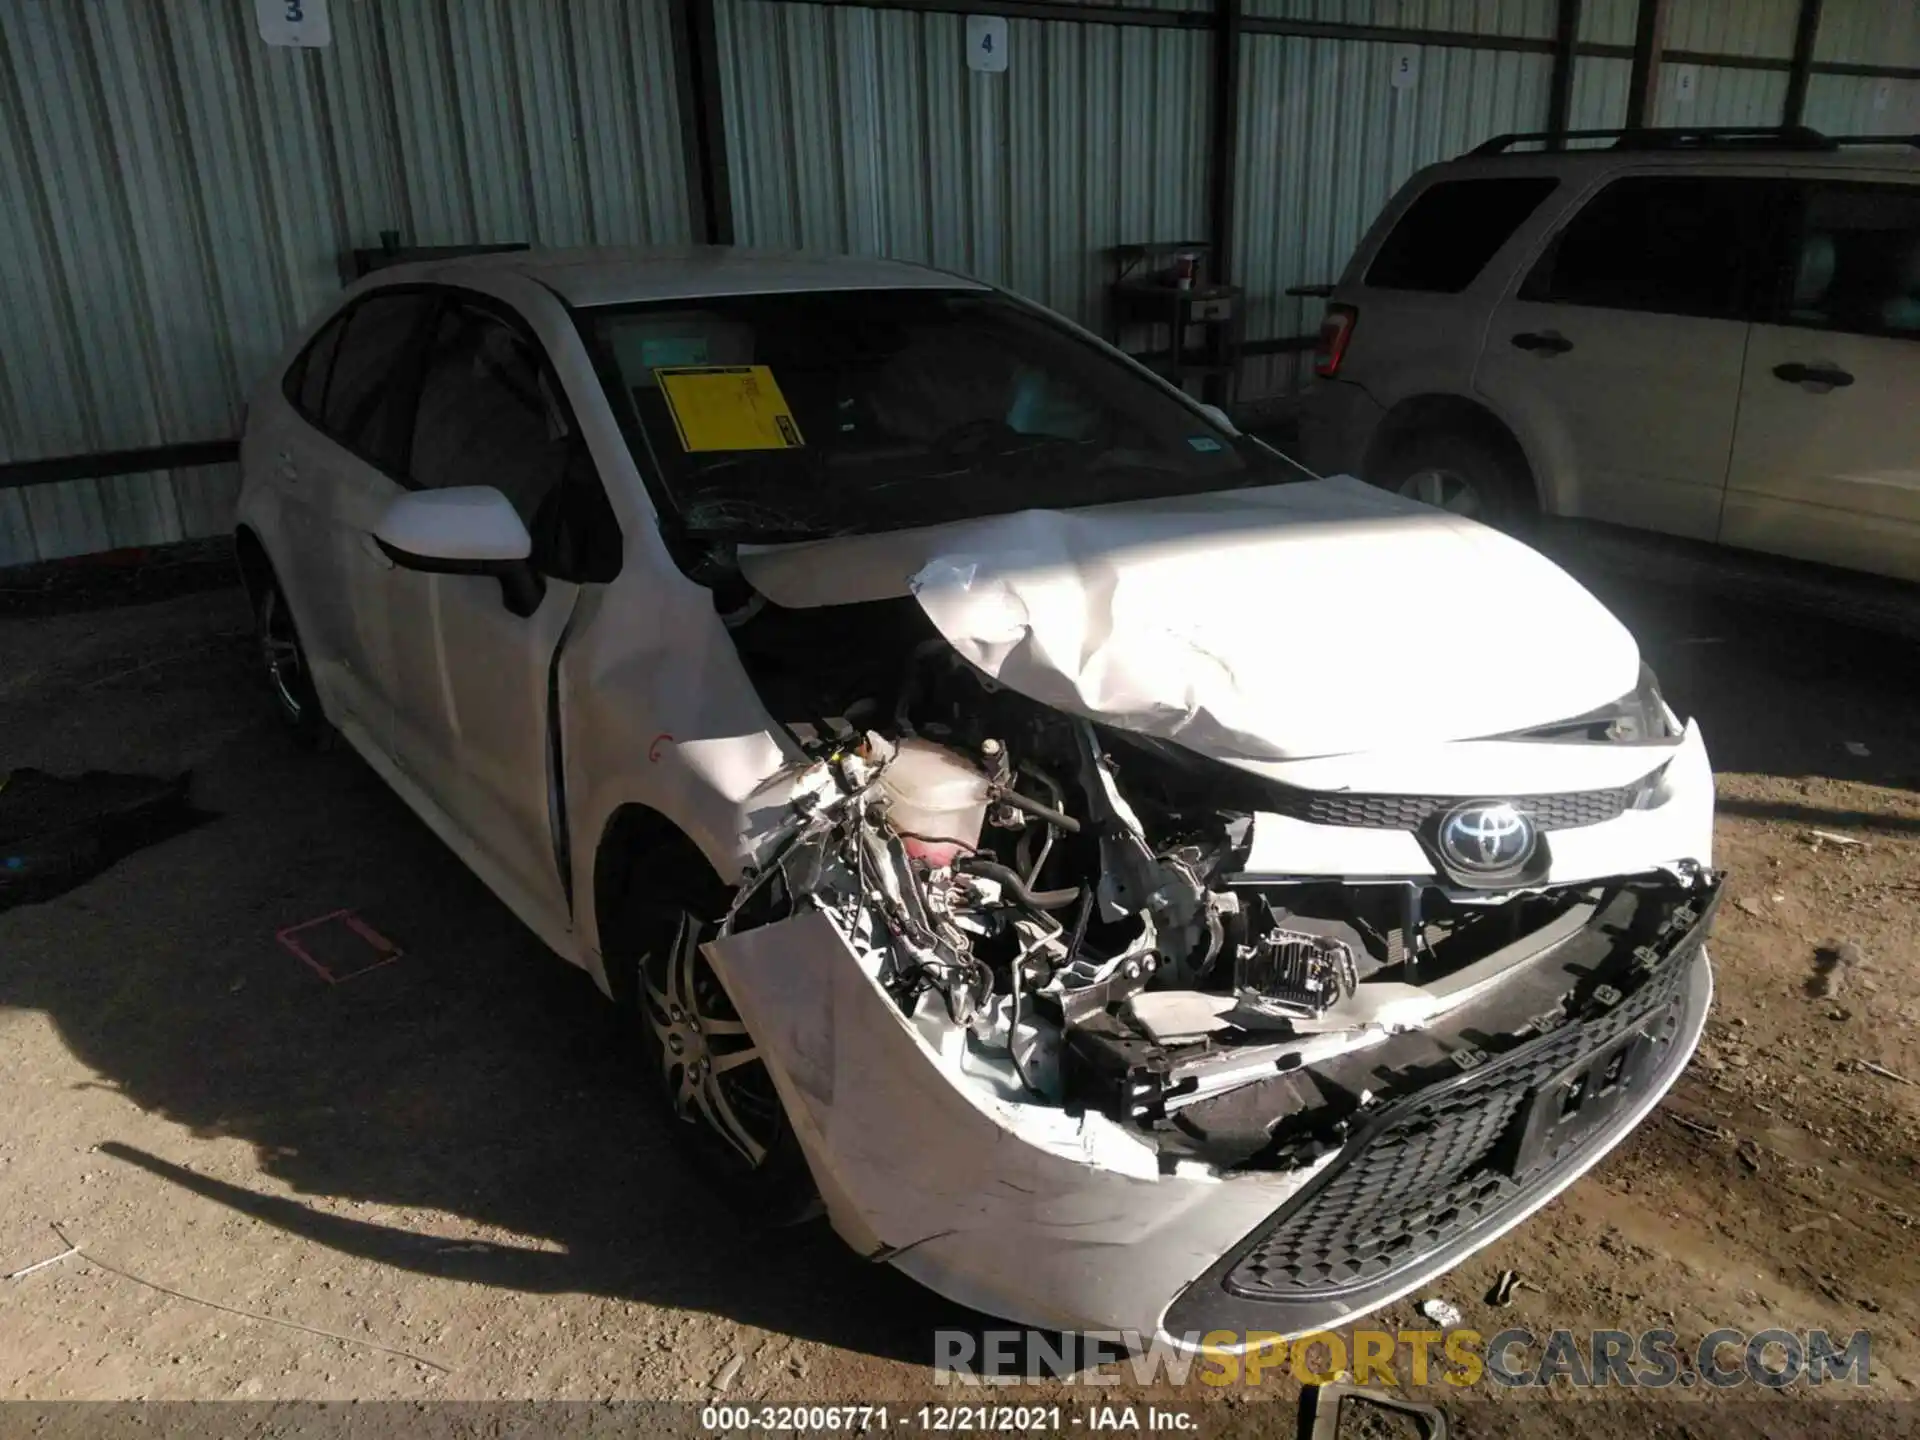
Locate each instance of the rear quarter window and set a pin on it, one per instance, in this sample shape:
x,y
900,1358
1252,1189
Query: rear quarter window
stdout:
x,y
306,382
1452,230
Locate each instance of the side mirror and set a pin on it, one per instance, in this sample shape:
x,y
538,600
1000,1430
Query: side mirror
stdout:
x,y
465,530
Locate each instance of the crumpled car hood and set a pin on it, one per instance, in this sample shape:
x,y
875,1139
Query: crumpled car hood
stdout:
x,y
1276,623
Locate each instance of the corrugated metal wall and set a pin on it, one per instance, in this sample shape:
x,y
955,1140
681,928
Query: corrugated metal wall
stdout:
x,y
1599,100
864,130
1870,32
180,195
1531,18
1722,95
1863,105
1761,28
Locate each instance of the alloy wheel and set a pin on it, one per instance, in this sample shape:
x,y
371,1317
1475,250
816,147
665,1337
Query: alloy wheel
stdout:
x,y
711,1070
280,650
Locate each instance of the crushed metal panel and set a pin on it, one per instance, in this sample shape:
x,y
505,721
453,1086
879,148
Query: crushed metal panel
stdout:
x,y
980,1201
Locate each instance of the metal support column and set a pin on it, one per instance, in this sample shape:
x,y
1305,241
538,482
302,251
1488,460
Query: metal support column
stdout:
x,y
1566,33
1805,33
696,78
1223,141
1649,44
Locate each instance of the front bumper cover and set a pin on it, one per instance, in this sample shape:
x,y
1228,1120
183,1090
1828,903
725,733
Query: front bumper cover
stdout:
x,y
1445,1171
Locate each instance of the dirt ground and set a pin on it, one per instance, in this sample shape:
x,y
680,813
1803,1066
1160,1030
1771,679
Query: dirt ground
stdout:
x,y
432,1181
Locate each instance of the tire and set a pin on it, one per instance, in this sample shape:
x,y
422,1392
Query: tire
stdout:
x,y
698,1064
283,658
1462,475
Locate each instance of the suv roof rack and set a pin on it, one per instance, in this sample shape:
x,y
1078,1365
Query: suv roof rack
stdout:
x,y
1708,137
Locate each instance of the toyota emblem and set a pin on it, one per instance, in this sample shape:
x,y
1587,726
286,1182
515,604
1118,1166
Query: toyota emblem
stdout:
x,y
1486,837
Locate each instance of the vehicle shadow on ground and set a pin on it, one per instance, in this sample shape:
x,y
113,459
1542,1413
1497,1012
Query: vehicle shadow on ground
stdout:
x,y
477,1077
1778,689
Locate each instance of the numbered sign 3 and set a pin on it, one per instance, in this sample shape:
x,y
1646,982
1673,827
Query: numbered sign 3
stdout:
x,y
301,23
987,42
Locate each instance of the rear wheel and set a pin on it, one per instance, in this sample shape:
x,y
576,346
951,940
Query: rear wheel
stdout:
x,y
704,1070
284,660
1460,474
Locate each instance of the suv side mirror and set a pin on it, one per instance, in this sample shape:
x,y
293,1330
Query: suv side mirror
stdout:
x,y
464,530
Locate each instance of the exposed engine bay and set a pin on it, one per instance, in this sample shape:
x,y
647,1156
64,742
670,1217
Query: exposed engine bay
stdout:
x,y
1060,907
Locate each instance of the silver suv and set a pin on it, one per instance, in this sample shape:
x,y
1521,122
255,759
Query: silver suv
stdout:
x,y
1710,333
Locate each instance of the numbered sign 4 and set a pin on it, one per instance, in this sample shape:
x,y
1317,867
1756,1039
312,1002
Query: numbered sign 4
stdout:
x,y
987,42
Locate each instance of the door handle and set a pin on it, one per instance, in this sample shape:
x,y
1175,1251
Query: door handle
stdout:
x,y
285,467
372,547
1546,343
1794,373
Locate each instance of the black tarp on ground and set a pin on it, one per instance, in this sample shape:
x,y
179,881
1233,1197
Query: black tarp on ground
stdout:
x,y
57,831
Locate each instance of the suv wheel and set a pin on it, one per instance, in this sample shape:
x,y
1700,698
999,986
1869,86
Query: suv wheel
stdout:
x,y
1462,475
706,1074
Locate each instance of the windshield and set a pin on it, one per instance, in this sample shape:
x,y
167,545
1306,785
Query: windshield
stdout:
x,y
787,416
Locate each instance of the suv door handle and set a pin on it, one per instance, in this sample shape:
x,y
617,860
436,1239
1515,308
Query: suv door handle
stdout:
x,y
1547,343
1794,373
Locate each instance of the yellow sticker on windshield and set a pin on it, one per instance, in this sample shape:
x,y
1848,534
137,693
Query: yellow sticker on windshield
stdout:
x,y
728,407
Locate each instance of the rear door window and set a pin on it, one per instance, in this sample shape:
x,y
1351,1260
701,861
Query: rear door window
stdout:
x,y
1697,245
487,415
1452,230
491,413
1856,262
365,407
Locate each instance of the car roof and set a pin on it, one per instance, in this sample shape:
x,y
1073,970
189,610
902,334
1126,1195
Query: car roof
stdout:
x,y
618,275
1896,154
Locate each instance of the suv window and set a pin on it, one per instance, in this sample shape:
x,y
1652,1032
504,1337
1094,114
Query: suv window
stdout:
x,y
1857,260
1452,230
365,408
1679,245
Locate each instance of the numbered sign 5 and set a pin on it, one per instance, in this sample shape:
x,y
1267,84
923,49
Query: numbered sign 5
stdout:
x,y
987,42
1406,67
302,23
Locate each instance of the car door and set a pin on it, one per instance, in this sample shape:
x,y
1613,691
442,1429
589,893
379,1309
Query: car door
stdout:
x,y
343,462
1619,351
1826,459
473,719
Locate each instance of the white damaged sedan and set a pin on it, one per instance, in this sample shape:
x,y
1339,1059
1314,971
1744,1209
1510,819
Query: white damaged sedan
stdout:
x,y
1128,883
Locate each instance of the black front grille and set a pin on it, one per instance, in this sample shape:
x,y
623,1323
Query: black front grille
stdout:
x,y
1432,1168
1409,812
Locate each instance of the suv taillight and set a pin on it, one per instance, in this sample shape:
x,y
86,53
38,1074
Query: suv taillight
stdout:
x,y
1336,330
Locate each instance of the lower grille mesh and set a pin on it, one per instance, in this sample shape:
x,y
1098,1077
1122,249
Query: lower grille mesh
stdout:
x,y
1429,1172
